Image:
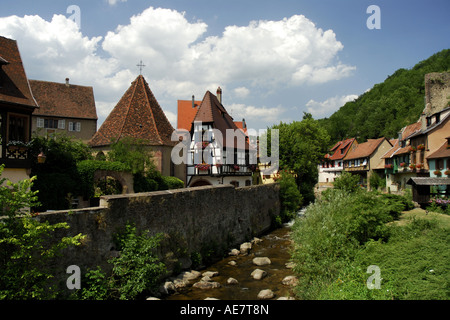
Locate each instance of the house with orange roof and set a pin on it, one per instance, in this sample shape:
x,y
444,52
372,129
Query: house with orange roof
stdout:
x,y
219,151
138,115
64,108
332,165
17,105
362,159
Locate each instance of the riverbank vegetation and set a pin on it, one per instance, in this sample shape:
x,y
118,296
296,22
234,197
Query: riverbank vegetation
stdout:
x,y
344,233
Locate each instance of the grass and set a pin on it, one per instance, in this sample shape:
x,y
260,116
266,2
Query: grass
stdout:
x,y
413,255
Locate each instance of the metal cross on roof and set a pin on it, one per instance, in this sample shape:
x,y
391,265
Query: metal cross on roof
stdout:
x,y
140,65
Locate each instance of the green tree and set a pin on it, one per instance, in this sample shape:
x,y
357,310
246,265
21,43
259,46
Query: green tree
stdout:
x,y
290,197
58,176
302,144
347,182
26,245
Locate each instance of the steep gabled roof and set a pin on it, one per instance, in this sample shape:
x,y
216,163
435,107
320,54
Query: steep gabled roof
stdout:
x,y
365,149
14,87
186,114
137,115
64,100
340,149
211,111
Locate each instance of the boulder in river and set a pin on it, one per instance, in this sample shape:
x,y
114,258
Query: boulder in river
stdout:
x,y
261,261
258,274
205,285
266,294
290,281
245,247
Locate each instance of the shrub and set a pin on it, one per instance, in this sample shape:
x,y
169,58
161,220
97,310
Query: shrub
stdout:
x,y
135,272
347,182
290,197
26,245
334,228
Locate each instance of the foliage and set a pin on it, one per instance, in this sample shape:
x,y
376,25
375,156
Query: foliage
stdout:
x,y
26,245
302,145
58,176
87,168
388,106
171,183
133,153
376,181
290,197
334,229
137,270
344,233
347,182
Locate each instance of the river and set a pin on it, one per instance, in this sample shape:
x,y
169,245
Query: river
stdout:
x,y
275,245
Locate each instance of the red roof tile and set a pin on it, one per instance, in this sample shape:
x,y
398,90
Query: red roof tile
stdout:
x,y
14,87
211,111
442,152
61,100
365,149
340,149
186,114
137,115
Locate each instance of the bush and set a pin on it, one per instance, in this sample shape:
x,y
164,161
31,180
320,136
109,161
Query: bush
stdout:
x,y
334,228
347,182
136,272
172,183
26,245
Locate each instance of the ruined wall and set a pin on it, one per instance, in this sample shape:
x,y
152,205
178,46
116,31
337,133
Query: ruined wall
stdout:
x,y
212,217
437,92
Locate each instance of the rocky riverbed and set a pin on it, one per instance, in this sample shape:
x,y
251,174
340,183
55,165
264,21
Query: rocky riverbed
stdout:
x,y
259,269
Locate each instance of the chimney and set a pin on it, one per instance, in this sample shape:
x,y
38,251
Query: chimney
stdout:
x,y
423,121
244,125
219,94
193,101
67,82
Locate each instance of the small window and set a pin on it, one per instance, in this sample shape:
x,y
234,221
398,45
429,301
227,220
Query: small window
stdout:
x,y
61,124
235,183
75,126
40,123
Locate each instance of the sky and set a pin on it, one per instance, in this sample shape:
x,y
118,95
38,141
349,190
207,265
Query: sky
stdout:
x,y
274,60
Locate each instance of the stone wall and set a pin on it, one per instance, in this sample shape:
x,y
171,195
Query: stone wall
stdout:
x,y
213,218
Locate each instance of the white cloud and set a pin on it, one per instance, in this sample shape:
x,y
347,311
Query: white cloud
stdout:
x,y
114,2
254,114
180,61
327,107
241,92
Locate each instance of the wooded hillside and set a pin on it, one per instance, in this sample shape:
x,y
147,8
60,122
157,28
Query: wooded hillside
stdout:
x,y
388,106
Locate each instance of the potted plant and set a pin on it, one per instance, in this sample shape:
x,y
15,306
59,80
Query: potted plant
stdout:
x,y
388,166
412,166
421,147
447,173
235,167
412,148
437,173
419,166
203,167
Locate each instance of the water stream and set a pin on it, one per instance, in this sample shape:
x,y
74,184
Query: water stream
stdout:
x,y
275,245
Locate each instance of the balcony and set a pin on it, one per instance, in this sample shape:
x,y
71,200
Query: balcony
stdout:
x,y
15,156
220,170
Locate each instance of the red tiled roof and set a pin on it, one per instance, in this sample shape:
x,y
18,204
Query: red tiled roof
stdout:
x,y
442,152
240,125
186,114
14,87
61,100
211,111
137,115
340,149
393,150
365,149
411,129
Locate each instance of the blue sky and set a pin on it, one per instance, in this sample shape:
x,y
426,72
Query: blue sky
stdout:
x,y
274,60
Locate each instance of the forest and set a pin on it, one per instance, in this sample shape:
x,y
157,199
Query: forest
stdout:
x,y
388,106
